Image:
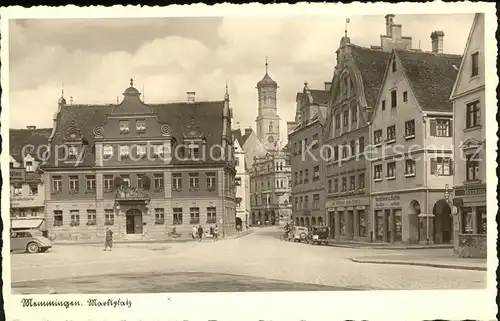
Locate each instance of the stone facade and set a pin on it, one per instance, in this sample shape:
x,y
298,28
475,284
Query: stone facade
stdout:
x,y
125,167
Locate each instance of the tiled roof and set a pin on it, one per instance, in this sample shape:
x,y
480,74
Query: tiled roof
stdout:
x,y
22,137
267,81
207,115
237,136
319,96
371,63
245,136
431,77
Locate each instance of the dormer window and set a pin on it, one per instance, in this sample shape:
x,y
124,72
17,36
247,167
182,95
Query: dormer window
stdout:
x,y
107,152
140,126
72,152
124,127
29,166
124,151
158,151
193,149
141,151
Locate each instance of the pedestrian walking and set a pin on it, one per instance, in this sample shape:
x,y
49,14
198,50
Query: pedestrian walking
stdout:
x,y
194,233
216,232
109,240
200,232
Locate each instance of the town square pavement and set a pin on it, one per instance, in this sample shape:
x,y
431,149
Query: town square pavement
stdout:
x,y
259,255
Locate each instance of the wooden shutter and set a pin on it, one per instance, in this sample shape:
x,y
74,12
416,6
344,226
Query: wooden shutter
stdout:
x,y
451,129
451,166
433,127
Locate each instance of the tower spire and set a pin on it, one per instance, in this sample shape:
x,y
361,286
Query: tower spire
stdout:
x,y
347,20
266,64
226,96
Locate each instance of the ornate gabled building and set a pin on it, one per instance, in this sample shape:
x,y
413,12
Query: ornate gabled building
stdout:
x,y
307,165
356,82
140,169
27,151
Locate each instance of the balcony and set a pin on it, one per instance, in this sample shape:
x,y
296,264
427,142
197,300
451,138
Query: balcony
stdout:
x,y
131,194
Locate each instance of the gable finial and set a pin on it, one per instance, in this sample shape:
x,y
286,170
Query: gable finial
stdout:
x,y
347,20
131,82
266,64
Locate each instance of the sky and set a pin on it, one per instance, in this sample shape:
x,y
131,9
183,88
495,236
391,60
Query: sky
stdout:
x,y
93,59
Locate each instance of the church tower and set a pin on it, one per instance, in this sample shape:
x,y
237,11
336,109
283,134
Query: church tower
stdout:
x,y
268,127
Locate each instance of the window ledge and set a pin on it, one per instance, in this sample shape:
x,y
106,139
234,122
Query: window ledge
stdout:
x,y
391,141
410,175
475,77
377,144
470,129
472,181
389,178
377,179
409,137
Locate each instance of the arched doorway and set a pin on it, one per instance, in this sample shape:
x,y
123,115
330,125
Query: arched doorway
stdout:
x,y
313,221
320,221
301,221
413,212
239,222
307,222
133,221
297,221
273,218
442,222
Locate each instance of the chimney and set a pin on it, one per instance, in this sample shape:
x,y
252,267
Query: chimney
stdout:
x,y
190,96
437,41
31,127
328,86
248,131
388,24
238,125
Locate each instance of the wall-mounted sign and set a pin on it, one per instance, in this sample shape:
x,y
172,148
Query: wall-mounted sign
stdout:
x,y
17,174
471,191
346,202
387,201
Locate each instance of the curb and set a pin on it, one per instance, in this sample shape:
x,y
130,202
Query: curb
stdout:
x,y
122,242
435,265
388,247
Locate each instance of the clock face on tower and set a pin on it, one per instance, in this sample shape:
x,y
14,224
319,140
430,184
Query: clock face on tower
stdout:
x,y
270,139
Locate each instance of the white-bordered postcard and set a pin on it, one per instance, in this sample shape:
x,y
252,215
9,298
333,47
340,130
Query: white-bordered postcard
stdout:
x,y
249,162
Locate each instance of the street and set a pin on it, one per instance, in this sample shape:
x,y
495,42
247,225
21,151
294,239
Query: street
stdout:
x,y
258,261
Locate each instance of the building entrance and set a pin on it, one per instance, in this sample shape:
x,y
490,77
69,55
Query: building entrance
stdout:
x,y
134,221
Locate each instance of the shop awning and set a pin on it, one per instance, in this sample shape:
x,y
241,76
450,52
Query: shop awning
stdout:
x,y
26,224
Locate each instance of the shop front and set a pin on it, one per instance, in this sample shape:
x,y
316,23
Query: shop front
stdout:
x,y
347,218
388,218
470,220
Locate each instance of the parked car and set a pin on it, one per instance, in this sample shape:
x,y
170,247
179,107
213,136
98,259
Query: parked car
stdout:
x,y
299,233
319,235
31,241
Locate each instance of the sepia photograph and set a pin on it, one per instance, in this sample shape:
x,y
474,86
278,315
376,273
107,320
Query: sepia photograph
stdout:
x,y
253,153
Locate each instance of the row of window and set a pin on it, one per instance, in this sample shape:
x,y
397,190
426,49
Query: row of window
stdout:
x,y
333,184
280,183
440,166
302,202
109,216
265,200
18,190
345,117
142,183
140,126
300,146
302,177
22,212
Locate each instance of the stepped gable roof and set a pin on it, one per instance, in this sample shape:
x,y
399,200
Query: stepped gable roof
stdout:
x,y
371,64
38,137
207,118
431,77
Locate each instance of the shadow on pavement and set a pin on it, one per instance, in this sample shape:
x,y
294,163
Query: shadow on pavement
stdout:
x,y
164,283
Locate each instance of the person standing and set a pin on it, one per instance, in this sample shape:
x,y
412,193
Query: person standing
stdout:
x,y
200,232
216,232
109,239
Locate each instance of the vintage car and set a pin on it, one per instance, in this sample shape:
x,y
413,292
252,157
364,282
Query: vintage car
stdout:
x,y
299,234
31,241
319,235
